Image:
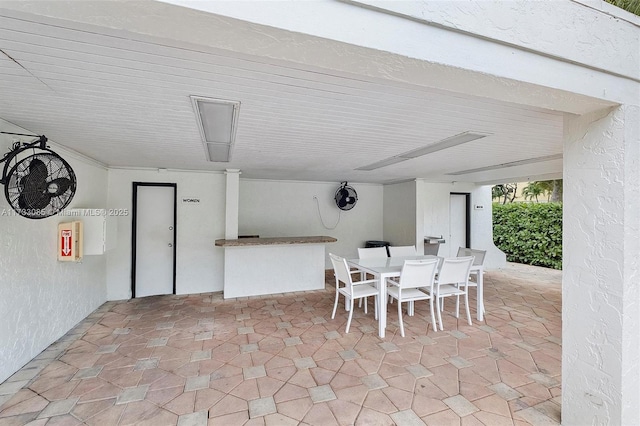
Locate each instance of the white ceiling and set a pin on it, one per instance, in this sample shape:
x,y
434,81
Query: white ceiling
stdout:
x,y
124,101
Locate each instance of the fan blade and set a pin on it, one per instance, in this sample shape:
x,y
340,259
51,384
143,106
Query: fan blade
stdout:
x,y
34,200
34,194
36,179
342,202
58,186
38,168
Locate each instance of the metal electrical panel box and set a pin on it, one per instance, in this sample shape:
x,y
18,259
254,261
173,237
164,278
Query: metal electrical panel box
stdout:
x,y
100,229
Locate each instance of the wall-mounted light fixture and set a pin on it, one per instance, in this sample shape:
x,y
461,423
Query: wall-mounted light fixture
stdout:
x,y
510,164
450,142
217,120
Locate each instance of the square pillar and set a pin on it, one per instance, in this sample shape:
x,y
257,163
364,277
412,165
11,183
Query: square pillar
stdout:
x,y
232,202
601,257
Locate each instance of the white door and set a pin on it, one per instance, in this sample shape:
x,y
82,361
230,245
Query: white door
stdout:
x,y
154,268
457,222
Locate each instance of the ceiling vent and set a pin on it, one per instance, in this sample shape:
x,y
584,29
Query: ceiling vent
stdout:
x,y
217,121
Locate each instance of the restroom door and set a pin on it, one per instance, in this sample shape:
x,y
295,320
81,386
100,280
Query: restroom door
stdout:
x,y
459,222
153,239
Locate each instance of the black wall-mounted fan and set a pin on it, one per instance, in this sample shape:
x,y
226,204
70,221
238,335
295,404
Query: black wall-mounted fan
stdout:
x,y
37,185
346,197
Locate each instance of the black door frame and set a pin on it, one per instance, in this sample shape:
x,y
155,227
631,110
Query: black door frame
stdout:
x,y
467,216
134,213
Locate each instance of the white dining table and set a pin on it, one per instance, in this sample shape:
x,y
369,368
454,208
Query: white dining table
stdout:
x,y
390,267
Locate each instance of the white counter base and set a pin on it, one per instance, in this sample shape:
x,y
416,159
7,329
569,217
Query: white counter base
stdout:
x,y
267,269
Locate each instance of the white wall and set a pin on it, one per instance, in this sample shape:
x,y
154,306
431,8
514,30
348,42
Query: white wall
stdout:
x,y
42,298
199,264
400,214
287,209
434,200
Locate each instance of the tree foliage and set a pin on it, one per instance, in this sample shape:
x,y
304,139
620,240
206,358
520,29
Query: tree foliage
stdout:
x,y
529,233
632,6
551,188
505,192
556,191
534,189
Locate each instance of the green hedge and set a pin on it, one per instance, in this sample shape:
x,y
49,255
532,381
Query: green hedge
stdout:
x,y
529,233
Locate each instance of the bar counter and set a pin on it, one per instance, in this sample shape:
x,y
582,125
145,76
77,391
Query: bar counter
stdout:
x,y
259,266
241,242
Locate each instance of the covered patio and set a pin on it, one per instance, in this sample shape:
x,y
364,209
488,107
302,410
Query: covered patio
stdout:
x,y
413,103
279,360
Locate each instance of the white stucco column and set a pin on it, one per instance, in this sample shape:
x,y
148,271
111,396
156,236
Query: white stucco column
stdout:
x,y
232,201
600,297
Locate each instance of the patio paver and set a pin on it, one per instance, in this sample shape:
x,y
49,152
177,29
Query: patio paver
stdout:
x,y
193,359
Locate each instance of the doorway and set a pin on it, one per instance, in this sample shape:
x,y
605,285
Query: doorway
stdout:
x,y
153,242
459,221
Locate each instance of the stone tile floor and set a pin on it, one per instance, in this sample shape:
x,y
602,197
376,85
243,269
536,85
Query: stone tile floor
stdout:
x,y
281,360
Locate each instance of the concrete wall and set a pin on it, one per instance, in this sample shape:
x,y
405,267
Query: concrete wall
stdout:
x,y
43,298
267,208
489,49
199,264
601,242
287,208
433,199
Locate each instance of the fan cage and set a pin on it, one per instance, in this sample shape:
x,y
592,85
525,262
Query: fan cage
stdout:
x,y
346,197
33,193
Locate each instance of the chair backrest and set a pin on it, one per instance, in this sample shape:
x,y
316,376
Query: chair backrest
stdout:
x,y
341,271
455,270
477,254
372,252
401,251
418,273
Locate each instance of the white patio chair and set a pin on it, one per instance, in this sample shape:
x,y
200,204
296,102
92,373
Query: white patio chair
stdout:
x,y
478,259
350,289
415,275
370,253
402,251
452,280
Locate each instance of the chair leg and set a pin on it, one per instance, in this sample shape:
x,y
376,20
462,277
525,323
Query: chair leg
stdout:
x,y
440,313
365,304
457,306
350,315
400,318
375,308
433,315
466,305
335,305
